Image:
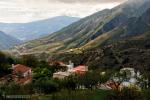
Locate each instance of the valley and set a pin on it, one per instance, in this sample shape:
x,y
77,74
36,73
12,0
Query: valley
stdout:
x,y
7,41
103,56
106,26
37,29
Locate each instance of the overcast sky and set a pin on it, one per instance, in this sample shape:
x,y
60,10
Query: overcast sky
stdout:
x,y
21,11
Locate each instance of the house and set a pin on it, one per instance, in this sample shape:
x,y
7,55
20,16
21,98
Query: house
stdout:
x,y
81,69
128,79
130,72
131,75
21,73
61,75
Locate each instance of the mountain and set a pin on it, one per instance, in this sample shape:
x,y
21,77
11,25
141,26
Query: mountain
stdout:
x,y
37,29
132,27
131,52
7,41
138,25
100,28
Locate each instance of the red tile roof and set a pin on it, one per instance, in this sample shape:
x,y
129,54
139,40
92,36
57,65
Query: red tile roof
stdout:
x,y
81,68
112,85
20,68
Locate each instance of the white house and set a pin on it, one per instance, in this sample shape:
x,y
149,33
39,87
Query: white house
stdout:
x,y
81,69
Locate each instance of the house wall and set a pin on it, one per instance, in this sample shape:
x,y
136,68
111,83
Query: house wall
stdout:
x,y
27,73
59,76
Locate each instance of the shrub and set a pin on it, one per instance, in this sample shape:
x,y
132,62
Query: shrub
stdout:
x,y
125,94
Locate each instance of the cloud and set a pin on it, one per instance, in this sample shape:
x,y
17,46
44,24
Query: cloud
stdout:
x,y
88,1
70,1
81,1
14,11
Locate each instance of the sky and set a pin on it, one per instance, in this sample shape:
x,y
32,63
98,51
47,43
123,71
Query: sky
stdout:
x,y
23,11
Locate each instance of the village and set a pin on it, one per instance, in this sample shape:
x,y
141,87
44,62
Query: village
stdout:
x,y
126,77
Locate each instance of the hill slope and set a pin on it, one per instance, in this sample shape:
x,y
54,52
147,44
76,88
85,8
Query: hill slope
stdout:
x,y
132,52
7,41
132,27
37,29
103,25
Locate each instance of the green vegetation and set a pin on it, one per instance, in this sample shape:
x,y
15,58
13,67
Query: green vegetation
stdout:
x,y
133,52
77,95
125,94
99,29
5,64
106,42
82,87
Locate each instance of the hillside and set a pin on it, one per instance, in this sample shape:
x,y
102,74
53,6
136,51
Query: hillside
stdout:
x,y
37,29
132,52
7,41
132,27
101,26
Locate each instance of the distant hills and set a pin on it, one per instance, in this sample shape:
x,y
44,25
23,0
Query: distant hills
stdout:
x,y
7,41
102,28
132,52
130,28
37,29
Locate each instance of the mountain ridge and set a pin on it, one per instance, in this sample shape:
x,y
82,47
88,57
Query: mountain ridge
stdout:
x,y
89,28
132,27
36,29
7,41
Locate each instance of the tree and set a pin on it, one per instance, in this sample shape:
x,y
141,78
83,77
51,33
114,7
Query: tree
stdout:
x,y
30,60
11,88
28,88
45,86
4,64
90,79
41,72
70,82
2,58
146,79
125,94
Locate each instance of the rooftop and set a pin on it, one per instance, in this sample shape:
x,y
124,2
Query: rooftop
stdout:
x,y
80,68
20,68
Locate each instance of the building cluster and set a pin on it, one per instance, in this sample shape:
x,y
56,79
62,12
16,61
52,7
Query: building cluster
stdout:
x,y
81,69
127,77
20,74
